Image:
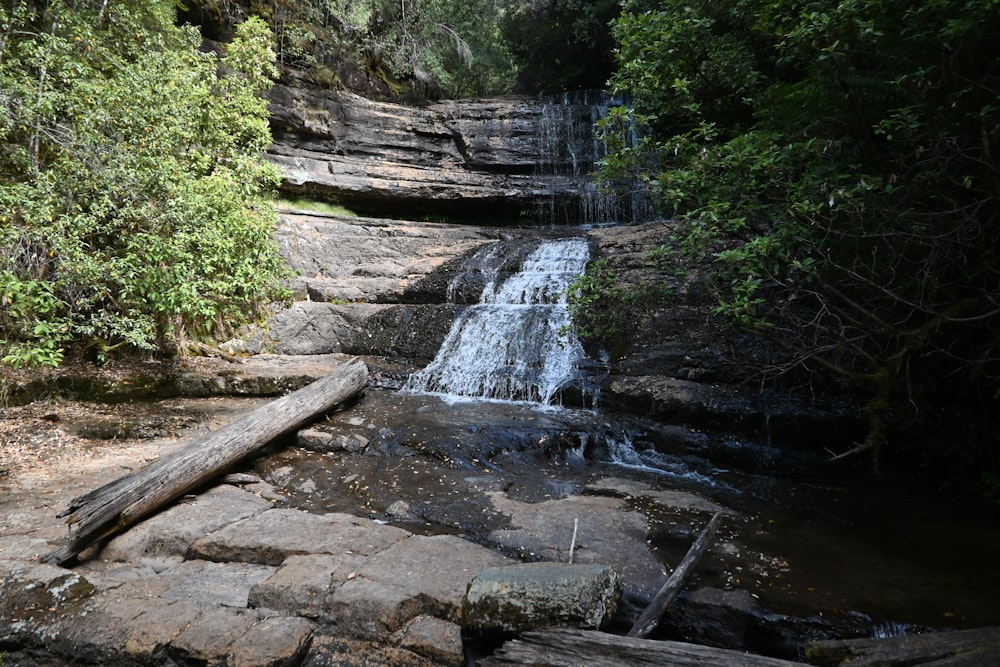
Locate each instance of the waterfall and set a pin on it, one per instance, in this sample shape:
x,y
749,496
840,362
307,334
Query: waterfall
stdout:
x,y
570,151
516,343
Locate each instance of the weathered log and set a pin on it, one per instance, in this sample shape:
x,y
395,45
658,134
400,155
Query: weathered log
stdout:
x,y
572,647
959,648
120,504
650,618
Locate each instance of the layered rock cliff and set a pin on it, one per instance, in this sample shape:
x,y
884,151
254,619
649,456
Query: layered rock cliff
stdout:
x,y
500,159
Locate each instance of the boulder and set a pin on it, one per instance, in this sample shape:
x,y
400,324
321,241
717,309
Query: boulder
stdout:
x,y
435,639
517,598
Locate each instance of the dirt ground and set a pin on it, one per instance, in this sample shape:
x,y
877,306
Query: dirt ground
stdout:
x,y
53,450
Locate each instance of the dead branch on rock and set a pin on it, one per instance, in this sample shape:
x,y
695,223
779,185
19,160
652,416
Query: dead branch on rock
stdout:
x,y
113,507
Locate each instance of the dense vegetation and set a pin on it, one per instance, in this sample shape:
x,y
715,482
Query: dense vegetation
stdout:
x,y
134,201
835,164
432,48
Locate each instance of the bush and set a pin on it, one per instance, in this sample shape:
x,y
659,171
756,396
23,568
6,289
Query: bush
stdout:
x,y
136,203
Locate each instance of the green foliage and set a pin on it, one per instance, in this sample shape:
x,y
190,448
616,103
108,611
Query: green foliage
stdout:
x,y
835,164
560,45
604,313
435,48
135,202
425,47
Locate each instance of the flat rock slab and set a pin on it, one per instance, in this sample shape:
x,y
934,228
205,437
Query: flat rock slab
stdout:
x,y
608,533
270,537
667,498
333,255
439,567
168,536
302,583
337,651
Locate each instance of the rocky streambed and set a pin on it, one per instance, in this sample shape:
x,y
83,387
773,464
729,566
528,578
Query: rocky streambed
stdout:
x,y
354,542
290,561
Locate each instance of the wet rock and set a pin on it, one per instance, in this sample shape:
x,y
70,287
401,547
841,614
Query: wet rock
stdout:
x,y
314,440
716,617
517,598
167,536
318,440
270,537
400,511
667,498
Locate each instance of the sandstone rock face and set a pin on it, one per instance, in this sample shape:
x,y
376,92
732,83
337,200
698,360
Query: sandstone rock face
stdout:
x,y
493,157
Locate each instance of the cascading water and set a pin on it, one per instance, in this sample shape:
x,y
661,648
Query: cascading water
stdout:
x,y
570,150
516,343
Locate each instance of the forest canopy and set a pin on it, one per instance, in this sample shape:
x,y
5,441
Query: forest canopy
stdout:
x,y
432,48
134,200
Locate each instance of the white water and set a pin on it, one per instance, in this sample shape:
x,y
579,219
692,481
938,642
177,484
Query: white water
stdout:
x,y
516,344
570,149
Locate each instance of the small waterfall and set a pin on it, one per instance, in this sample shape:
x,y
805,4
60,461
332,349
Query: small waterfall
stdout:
x,y
515,344
570,150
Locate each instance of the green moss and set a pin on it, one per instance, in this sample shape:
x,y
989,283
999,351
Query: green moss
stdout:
x,y
301,204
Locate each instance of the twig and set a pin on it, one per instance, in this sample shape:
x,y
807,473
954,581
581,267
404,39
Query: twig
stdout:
x,y
572,544
650,618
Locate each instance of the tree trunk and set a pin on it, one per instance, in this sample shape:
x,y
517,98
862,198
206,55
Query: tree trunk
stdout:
x,y
961,648
120,504
572,648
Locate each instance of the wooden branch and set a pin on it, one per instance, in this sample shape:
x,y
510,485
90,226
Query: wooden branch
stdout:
x,y
120,504
573,647
979,646
650,618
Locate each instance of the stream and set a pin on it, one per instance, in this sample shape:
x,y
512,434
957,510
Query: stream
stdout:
x,y
483,429
806,547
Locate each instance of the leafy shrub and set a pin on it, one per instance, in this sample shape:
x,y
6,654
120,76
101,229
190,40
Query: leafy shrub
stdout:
x,y
135,201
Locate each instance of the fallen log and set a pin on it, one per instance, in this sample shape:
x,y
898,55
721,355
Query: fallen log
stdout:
x,y
650,618
115,506
573,647
959,648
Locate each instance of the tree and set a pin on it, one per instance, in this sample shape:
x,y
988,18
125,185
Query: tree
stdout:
x,y
426,48
835,163
134,203
561,45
